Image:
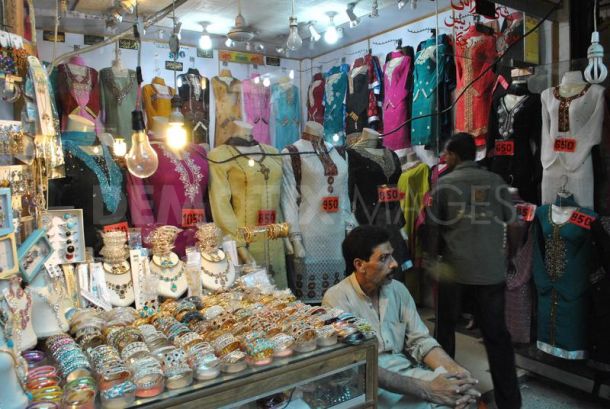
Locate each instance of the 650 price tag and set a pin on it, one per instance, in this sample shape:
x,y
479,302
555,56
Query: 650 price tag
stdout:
x,y
505,148
567,145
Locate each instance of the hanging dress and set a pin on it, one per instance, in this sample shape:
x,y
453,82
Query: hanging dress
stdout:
x,y
227,97
315,99
395,105
257,100
286,105
195,94
334,102
375,88
118,99
157,100
357,100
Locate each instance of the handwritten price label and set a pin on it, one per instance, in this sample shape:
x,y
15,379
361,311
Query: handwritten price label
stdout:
x,y
123,226
191,217
330,204
567,145
526,211
505,148
582,220
388,194
266,217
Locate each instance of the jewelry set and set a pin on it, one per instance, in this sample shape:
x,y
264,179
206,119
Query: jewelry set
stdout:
x,y
166,265
116,266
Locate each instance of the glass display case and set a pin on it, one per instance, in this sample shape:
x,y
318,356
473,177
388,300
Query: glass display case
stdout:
x,y
338,376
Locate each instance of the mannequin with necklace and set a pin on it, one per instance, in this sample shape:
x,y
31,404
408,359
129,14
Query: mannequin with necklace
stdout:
x,y
166,264
245,192
12,368
93,182
194,89
176,194
16,315
217,269
117,269
374,172
77,92
49,304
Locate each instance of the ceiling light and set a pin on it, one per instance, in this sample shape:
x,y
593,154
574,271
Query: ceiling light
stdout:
x,y
205,41
291,74
331,36
374,8
260,47
128,5
229,42
401,4
294,41
353,19
315,36
279,50
266,82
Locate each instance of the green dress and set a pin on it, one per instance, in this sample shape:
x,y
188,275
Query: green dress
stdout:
x,y
118,99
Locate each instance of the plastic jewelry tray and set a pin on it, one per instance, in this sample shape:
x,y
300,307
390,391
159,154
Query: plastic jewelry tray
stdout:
x,y
6,212
33,253
8,256
54,221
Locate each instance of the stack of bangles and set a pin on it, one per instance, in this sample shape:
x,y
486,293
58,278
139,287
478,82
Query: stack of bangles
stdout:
x,y
43,383
146,371
111,371
71,360
259,350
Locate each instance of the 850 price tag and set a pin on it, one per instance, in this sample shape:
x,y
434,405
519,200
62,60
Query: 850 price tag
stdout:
x,y
582,220
330,204
388,194
505,148
567,145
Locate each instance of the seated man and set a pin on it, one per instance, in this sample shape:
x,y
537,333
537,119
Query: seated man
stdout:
x,y
414,371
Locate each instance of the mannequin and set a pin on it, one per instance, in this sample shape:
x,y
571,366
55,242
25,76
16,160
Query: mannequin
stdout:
x,y
397,72
117,65
285,101
217,269
245,192
195,93
572,120
157,100
12,395
18,307
166,265
257,100
315,202
117,270
49,304
227,96
410,160
334,107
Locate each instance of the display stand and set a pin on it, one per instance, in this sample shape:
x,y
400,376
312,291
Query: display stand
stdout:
x,y
271,232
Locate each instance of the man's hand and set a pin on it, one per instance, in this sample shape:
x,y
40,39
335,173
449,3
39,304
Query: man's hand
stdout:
x,y
449,388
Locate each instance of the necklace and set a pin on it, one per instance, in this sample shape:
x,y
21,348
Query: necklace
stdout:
x,y
111,184
215,256
52,299
119,289
80,88
262,168
172,280
220,278
191,186
13,298
119,93
117,269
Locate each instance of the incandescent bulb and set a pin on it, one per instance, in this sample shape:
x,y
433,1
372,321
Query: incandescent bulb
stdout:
x,y
331,36
205,42
175,136
257,80
251,163
336,137
315,36
294,41
291,74
119,147
229,42
142,160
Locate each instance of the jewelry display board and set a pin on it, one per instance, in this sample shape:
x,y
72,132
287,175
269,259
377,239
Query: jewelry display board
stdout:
x,y
66,234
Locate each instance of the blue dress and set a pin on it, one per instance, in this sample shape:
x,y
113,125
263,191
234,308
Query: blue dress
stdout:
x,y
286,113
432,85
334,101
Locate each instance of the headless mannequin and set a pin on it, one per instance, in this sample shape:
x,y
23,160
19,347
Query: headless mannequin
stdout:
x,y
117,66
174,289
411,160
27,339
12,395
217,268
47,321
77,66
226,76
117,270
80,124
571,84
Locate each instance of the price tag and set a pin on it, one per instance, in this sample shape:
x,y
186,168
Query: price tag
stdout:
x,y
192,217
123,226
330,204
505,148
388,193
582,220
567,145
526,211
266,217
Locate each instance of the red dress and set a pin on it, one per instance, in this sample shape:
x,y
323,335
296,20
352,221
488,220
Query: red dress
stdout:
x,y
475,52
76,95
315,99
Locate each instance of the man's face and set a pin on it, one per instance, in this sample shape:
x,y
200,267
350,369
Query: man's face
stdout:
x,y
378,268
451,159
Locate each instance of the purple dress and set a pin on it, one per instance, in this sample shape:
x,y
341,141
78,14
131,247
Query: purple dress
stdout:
x,y
178,188
257,101
395,103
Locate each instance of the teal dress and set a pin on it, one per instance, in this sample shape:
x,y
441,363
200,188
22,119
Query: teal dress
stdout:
x,y
334,104
564,260
432,86
118,98
286,113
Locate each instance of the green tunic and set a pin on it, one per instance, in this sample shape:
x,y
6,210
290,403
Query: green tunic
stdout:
x,y
118,99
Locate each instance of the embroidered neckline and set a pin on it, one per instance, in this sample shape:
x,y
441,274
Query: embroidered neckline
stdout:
x,y
564,107
191,186
387,164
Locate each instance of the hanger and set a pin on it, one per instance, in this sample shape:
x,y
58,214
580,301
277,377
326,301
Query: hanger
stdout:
x,y
564,197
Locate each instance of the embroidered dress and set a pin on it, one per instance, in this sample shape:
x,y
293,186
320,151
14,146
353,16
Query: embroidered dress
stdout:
x,y
473,55
157,100
227,97
195,94
434,79
257,100
334,102
375,89
321,231
357,100
118,99
237,193
396,74
315,99
178,184
578,119
286,105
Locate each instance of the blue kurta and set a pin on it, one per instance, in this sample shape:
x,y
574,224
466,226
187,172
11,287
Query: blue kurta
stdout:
x,y
334,101
286,105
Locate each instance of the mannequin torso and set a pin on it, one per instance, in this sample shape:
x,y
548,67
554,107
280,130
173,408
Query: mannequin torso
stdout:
x,y
571,84
49,304
561,214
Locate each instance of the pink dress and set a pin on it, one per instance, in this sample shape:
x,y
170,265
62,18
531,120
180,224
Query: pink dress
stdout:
x,y
395,104
257,102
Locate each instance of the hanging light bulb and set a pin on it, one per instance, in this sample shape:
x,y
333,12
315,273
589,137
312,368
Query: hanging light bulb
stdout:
x,y
294,41
205,41
260,47
291,74
331,36
142,160
266,82
128,5
175,135
315,36
119,147
251,163
401,4
596,71
229,42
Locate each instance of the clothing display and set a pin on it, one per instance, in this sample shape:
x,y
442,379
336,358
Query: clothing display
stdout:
x,y
240,194
118,98
413,184
375,87
157,100
315,202
257,105
227,96
571,127
357,99
286,105
195,94
334,104
433,82
396,72
315,99
473,54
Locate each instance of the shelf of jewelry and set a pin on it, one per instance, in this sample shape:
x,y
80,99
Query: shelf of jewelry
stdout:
x,y
66,235
337,366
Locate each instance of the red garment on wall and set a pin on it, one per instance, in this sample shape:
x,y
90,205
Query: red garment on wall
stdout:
x,y
315,99
473,54
78,95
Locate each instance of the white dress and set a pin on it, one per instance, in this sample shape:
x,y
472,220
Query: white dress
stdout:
x,y
322,232
571,127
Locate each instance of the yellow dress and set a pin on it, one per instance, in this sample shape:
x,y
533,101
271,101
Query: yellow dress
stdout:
x,y
239,191
227,98
156,102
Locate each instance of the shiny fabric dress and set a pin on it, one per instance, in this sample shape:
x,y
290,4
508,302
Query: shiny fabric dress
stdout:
x,y
396,74
315,99
432,86
321,231
257,100
178,184
227,97
118,99
194,92
334,102
77,95
474,53
157,101
286,105
357,100
239,191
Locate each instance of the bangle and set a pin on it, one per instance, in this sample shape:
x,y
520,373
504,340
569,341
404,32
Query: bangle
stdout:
x,y
134,349
33,357
79,399
119,390
225,344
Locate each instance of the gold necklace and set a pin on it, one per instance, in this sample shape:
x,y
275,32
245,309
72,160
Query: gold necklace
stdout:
x,y
220,278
